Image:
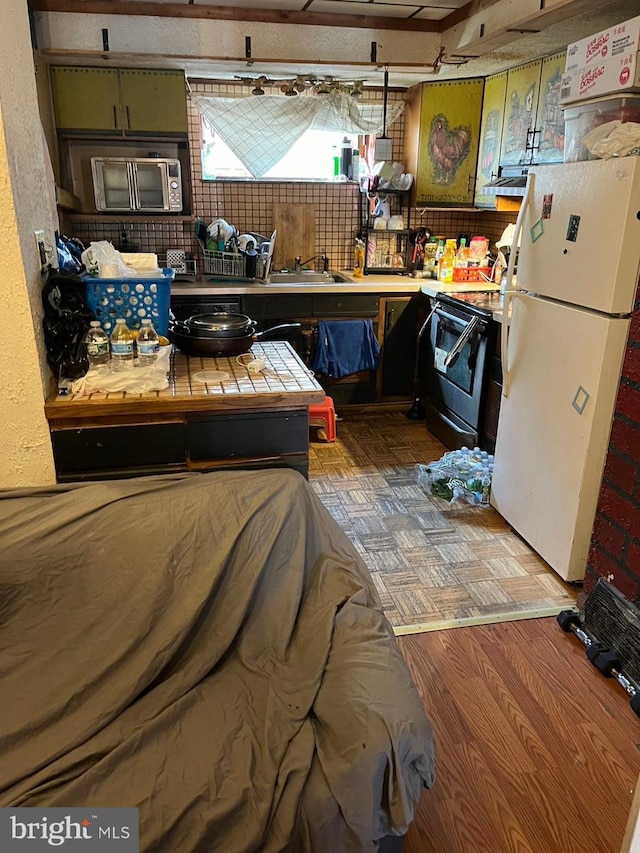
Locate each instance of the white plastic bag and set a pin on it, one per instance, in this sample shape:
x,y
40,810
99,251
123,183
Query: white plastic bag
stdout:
x,y
135,379
107,262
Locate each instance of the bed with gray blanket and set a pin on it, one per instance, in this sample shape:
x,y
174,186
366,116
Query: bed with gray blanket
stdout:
x,y
211,650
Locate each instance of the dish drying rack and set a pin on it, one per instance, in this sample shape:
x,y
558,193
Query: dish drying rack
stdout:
x,y
225,264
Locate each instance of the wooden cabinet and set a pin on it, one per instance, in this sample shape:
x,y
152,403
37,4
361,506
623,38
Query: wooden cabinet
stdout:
x,y
548,137
442,128
533,127
400,319
396,320
119,100
495,90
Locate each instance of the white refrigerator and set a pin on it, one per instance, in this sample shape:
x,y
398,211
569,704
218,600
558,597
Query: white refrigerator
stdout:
x,y
577,276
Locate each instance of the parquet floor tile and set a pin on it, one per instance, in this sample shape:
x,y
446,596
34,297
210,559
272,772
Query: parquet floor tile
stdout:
x,y
434,564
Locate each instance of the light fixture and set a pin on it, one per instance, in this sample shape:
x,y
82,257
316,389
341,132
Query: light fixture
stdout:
x,y
318,86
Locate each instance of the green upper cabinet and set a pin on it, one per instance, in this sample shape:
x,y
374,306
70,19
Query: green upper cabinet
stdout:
x,y
495,90
153,101
443,127
533,128
86,98
119,101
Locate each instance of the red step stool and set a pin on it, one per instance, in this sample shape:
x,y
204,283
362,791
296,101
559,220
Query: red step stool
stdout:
x,y
324,416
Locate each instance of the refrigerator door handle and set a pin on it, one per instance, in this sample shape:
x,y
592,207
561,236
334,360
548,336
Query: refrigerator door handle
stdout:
x,y
509,291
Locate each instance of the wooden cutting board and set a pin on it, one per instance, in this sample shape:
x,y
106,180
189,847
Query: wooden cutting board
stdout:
x,y
296,227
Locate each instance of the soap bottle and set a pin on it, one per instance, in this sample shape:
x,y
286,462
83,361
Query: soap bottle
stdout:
x,y
358,259
447,261
346,154
462,255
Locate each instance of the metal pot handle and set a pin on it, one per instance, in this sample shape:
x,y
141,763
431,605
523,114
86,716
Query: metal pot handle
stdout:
x,y
278,328
179,327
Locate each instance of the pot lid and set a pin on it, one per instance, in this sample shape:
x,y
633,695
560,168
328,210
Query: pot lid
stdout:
x,y
222,321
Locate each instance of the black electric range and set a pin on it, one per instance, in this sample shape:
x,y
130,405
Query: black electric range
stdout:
x,y
455,366
481,302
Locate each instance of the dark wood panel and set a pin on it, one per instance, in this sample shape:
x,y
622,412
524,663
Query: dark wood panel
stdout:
x,y
97,449
536,751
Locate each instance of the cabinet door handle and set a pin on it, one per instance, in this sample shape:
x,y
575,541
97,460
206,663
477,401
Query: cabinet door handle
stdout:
x,y
531,140
115,116
471,179
128,120
390,319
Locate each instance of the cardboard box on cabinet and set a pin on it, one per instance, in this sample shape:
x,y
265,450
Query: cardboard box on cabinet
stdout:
x,y
605,46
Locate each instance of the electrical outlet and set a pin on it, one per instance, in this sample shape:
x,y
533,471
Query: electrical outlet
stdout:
x,y
42,250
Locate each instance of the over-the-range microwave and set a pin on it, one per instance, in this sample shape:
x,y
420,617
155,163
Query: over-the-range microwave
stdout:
x,y
137,184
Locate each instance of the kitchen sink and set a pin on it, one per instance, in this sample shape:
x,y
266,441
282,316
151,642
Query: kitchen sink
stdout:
x,y
305,277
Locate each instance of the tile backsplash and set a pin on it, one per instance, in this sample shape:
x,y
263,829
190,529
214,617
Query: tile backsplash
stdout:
x,y
249,204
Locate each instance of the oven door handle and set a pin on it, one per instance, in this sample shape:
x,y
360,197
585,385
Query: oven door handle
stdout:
x,y
454,353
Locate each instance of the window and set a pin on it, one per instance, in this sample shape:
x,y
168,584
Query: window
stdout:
x,y
310,159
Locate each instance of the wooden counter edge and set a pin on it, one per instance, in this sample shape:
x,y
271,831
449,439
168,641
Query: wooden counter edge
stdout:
x,y
63,408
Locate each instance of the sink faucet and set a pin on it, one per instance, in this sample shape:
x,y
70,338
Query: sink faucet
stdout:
x,y
298,263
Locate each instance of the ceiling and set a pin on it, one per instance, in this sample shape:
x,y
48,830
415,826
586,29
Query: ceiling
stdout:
x,y
435,17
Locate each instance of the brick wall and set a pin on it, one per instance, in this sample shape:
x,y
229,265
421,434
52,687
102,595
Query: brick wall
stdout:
x,y
615,545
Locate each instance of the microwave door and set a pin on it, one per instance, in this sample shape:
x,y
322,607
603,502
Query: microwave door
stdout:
x,y
113,189
150,181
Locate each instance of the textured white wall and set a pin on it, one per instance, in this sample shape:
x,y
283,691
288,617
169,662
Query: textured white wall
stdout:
x,y
26,457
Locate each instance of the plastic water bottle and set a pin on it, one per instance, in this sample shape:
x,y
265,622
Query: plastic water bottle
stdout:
x,y
148,344
486,490
97,343
121,346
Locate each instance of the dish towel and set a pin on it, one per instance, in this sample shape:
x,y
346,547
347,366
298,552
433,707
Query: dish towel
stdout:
x,y
345,347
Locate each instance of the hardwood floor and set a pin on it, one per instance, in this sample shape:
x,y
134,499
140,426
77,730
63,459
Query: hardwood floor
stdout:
x,y
536,751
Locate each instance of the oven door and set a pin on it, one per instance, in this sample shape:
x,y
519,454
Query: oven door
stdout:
x,y
454,375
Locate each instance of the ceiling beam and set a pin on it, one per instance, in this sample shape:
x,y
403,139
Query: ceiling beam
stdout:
x,y
226,13
463,13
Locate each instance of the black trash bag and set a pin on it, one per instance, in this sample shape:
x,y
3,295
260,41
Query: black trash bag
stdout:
x,y
65,323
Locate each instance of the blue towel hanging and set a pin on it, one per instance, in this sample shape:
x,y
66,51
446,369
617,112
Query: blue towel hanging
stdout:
x,y
345,347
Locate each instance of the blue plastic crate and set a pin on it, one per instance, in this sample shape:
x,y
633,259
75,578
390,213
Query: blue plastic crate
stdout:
x,y
134,298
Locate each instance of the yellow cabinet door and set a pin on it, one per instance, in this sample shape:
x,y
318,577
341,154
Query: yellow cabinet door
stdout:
x,y
153,101
523,84
495,90
448,142
549,133
85,98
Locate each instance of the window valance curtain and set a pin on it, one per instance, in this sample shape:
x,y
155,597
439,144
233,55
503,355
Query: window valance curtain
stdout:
x,y
260,130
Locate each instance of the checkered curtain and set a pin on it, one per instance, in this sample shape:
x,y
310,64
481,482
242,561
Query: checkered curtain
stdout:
x,y
260,130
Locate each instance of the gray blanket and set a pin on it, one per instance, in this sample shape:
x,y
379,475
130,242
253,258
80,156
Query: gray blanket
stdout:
x,y
210,649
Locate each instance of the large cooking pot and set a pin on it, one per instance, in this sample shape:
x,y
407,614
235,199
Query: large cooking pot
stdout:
x,y
221,334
